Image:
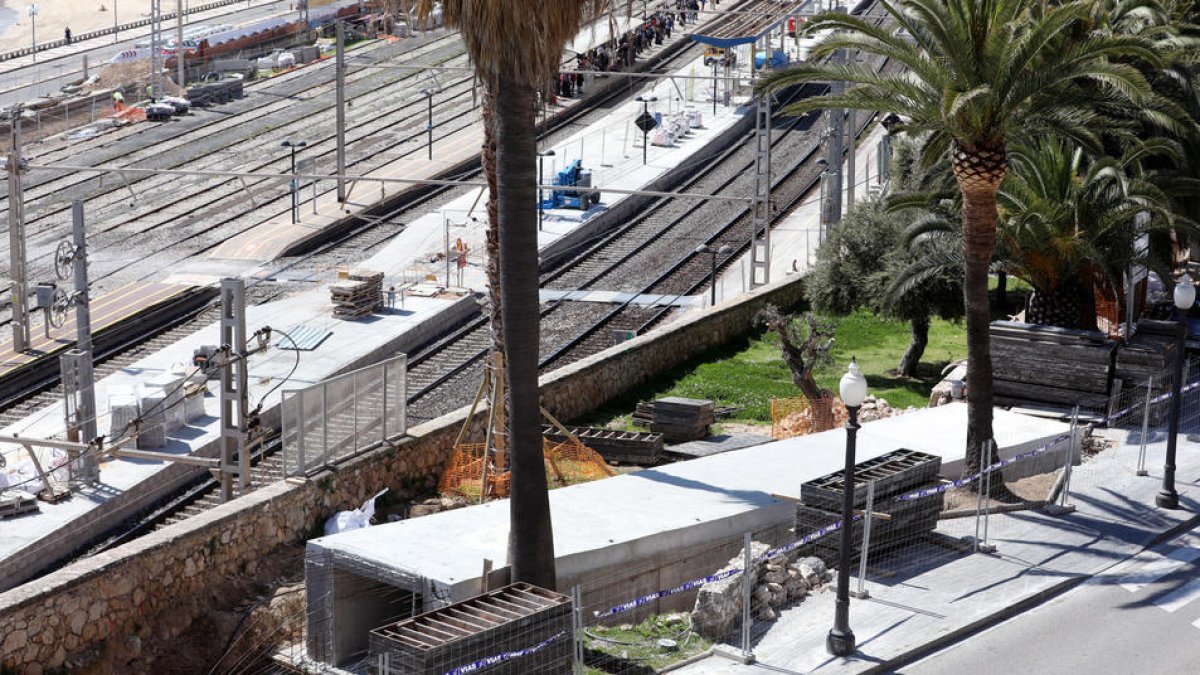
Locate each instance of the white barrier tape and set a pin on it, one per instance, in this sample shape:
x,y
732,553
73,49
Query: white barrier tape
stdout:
x,y
929,492
506,656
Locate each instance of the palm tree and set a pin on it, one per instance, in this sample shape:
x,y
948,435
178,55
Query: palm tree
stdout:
x,y
978,74
516,47
1070,225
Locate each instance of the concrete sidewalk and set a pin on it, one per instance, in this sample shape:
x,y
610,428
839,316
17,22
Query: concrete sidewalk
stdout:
x,y
925,596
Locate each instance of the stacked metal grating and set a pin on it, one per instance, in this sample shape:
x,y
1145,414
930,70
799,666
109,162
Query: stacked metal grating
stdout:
x,y
895,473
630,447
514,630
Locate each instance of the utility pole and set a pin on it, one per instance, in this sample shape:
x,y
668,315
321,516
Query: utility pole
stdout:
x,y
831,209
78,382
760,205
340,73
851,143
179,46
155,68
234,405
16,236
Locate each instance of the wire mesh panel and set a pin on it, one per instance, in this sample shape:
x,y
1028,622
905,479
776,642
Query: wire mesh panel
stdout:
x,y
338,418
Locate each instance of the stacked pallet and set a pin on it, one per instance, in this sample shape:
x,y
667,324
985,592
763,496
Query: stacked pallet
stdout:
x,y
678,419
358,295
895,473
629,447
1035,365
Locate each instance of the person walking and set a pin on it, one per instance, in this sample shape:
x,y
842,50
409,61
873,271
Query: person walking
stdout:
x,y
67,34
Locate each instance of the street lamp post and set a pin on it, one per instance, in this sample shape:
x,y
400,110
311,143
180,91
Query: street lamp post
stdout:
x,y
853,388
541,197
429,92
1185,297
33,12
645,101
294,146
712,277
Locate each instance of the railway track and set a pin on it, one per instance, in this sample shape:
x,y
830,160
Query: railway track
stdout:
x,y
354,244
183,218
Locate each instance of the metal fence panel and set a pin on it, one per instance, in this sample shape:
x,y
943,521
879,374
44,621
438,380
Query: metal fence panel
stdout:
x,y
338,418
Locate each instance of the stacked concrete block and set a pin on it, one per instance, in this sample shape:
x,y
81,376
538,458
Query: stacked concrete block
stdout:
x,y
152,433
194,389
123,410
171,385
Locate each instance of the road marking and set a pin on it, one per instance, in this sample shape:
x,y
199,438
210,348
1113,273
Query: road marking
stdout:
x,y
1180,596
1157,569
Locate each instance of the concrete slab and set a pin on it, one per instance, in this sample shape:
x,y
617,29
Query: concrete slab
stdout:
x,y
716,444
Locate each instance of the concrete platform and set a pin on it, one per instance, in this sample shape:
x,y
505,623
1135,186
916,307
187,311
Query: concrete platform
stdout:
x,y
33,541
664,523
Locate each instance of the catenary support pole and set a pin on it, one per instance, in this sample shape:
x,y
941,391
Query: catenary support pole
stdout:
x,y
180,65
233,386
16,239
88,469
340,76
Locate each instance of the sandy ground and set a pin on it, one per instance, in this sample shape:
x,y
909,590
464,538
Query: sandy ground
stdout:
x,y
81,15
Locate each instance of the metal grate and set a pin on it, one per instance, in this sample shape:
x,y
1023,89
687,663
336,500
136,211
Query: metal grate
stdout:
x,y
504,621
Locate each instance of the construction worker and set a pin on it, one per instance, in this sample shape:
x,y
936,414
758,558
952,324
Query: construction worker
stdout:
x,y
118,100
150,92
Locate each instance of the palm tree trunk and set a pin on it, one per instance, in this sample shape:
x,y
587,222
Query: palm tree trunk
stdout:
x,y
979,242
531,537
916,349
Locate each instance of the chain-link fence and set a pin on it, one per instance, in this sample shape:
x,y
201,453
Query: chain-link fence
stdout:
x,y
342,416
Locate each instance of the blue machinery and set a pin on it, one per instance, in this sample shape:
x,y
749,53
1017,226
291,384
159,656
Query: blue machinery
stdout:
x,y
572,176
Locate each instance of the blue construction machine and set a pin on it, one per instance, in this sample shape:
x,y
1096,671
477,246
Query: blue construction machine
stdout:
x,y
573,176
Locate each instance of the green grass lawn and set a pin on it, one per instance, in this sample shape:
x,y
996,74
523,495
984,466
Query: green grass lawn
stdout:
x,y
750,372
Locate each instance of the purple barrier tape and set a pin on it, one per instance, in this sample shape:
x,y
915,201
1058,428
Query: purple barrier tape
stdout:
x,y
929,492
1157,399
506,656
725,574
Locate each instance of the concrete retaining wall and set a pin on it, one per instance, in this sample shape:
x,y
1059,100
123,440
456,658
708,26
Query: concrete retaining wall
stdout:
x,y
94,610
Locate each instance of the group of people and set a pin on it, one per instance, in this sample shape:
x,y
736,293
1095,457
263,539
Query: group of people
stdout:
x,y
621,52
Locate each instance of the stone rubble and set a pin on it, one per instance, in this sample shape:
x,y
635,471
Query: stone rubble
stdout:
x,y
775,582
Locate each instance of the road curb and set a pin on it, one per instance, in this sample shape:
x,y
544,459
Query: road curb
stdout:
x,y
1023,605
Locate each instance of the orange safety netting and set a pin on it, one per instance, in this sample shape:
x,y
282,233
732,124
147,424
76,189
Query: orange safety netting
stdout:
x,y
567,463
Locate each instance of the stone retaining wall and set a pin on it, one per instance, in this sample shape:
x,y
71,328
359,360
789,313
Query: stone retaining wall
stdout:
x,y
94,613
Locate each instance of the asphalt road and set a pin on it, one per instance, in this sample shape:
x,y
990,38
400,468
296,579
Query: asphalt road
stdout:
x,y
1143,616
57,67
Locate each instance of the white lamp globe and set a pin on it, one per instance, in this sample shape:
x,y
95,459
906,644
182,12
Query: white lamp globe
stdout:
x,y
853,386
1185,294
